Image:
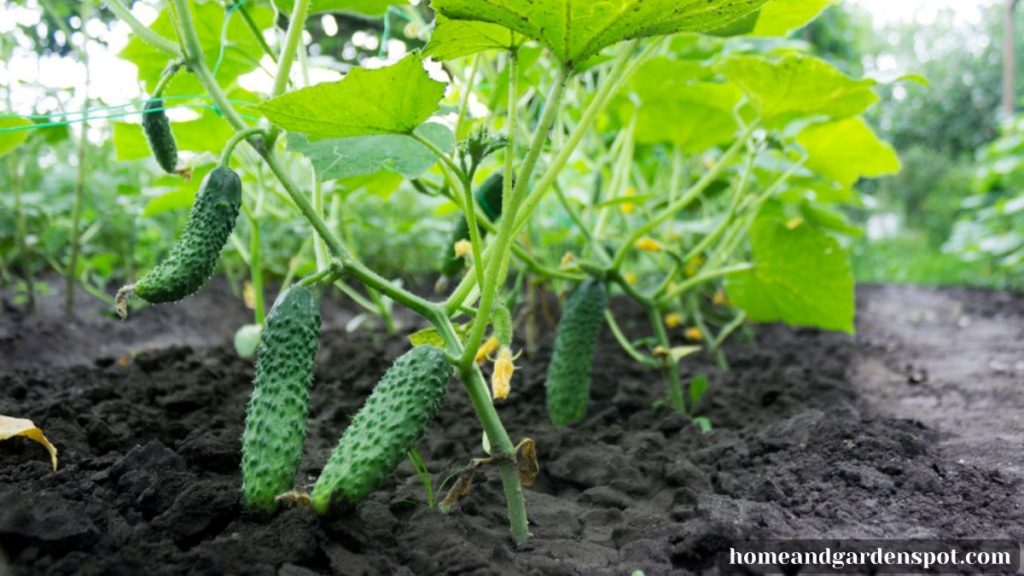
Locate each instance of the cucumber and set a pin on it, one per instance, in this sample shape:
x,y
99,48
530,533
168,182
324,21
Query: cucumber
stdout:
x,y
392,420
159,136
569,373
275,421
192,260
489,197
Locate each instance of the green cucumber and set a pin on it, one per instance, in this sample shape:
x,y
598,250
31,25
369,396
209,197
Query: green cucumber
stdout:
x,y
392,420
275,421
192,260
489,197
159,136
569,373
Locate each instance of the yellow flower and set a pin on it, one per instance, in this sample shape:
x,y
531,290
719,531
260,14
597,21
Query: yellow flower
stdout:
x,y
628,207
693,266
463,248
649,245
693,334
630,278
673,320
486,349
720,298
568,260
501,378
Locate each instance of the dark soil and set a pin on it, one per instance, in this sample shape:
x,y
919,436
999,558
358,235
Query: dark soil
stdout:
x,y
911,429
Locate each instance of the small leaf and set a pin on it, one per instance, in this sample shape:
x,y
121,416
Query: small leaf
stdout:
x,y
13,132
391,100
703,423
426,337
14,427
362,155
677,353
847,151
698,387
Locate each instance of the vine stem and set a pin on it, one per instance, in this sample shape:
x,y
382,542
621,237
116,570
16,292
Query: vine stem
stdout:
x,y
141,30
235,140
472,379
685,200
668,366
296,24
497,265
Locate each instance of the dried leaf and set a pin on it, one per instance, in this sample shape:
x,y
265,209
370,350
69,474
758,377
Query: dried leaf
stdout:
x,y
12,427
526,461
462,488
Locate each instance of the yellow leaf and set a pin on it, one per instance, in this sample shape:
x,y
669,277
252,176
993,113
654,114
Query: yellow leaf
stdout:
x,y
12,427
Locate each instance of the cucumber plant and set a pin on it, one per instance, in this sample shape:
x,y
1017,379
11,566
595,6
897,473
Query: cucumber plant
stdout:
x,y
711,163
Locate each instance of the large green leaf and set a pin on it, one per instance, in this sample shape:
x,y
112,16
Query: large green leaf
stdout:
x,y
240,54
801,276
847,150
780,17
398,153
453,39
577,29
391,100
371,8
207,134
694,116
13,132
798,86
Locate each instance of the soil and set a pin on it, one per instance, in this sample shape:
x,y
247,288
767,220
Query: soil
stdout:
x,y
911,429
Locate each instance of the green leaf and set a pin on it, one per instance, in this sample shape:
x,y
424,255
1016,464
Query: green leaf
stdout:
x,y
427,337
398,153
847,150
371,8
452,39
13,132
801,276
391,100
240,55
694,116
176,199
575,30
780,17
206,134
698,387
703,423
797,86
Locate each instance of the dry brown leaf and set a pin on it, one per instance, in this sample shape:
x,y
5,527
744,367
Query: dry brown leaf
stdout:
x,y
462,488
13,427
526,462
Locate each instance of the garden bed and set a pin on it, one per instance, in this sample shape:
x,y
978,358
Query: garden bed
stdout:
x,y
911,429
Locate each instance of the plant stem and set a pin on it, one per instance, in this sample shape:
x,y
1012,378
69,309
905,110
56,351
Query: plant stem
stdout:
x,y
251,24
140,29
229,148
256,268
296,24
625,343
685,200
19,216
668,366
472,378
71,272
703,278
497,265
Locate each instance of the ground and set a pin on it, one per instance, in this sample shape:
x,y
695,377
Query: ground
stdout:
x,y
912,428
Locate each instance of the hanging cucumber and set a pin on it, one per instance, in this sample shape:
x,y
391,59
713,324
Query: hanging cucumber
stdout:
x,y
489,197
392,420
275,422
157,128
569,373
191,261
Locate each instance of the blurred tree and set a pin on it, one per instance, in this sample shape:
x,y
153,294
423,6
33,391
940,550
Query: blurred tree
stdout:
x,y
1010,58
